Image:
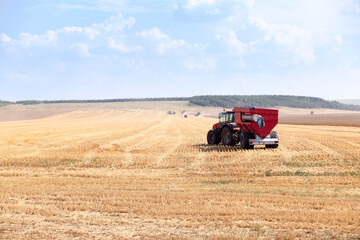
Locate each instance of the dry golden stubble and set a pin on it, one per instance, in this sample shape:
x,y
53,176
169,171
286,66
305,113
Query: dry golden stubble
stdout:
x,y
113,173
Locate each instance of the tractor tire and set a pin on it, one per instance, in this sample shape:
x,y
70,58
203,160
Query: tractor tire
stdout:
x,y
213,137
244,140
227,137
273,134
236,137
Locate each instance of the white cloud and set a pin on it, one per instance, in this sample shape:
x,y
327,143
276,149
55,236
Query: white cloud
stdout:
x,y
337,17
114,24
72,29
231,40
99,5
83,49
121,46
83,39
191,4
163,42
201,64
250,3
5,38
301,42
111,26
27,40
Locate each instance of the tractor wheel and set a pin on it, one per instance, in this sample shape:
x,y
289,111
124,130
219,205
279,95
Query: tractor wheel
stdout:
x,y
273,134
227,137
236,137
213,137
244,140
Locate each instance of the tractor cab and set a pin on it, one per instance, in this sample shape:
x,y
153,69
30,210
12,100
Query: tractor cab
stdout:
x,y
226,117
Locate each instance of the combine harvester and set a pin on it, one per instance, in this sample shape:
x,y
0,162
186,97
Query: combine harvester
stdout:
x,y
248,125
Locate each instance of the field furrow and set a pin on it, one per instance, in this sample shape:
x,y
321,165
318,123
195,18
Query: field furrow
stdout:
x,y
143,174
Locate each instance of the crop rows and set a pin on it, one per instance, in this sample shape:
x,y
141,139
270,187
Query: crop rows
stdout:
x,y
119,173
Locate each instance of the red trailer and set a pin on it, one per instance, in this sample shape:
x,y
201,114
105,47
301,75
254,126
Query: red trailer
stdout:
x,y
248,126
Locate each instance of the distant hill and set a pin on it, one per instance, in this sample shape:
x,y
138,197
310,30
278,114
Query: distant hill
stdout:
x,y
229,101
226,101
349,101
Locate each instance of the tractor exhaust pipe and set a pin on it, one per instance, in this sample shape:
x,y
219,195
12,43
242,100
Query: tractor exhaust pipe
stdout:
x,y
254,118
250,118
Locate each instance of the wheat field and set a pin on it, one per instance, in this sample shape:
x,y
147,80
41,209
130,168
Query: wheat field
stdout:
x,y
143,174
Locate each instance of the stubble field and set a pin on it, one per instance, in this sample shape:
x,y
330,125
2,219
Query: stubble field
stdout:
x,y
113,173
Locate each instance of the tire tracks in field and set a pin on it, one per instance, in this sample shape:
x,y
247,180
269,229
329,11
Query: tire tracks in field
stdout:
x,y
144,136
177,139
166,138
118,144
194,130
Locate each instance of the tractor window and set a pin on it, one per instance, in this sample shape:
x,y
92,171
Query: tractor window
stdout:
x,y
233,117
227,117
230,117
222,117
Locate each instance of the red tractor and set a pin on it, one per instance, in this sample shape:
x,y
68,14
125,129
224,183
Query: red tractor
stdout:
x,y
248,126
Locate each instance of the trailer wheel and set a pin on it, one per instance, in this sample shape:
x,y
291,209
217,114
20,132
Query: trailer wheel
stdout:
x,y
244,140
273,134
227,137
213,137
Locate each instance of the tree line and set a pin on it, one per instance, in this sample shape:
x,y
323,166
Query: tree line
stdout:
x,y
228,101
32,102
3,103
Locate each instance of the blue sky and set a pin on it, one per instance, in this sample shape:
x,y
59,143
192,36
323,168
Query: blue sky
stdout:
x,y
98,49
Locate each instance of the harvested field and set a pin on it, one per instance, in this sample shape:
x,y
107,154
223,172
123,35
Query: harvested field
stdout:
x,y
342,119
108,173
